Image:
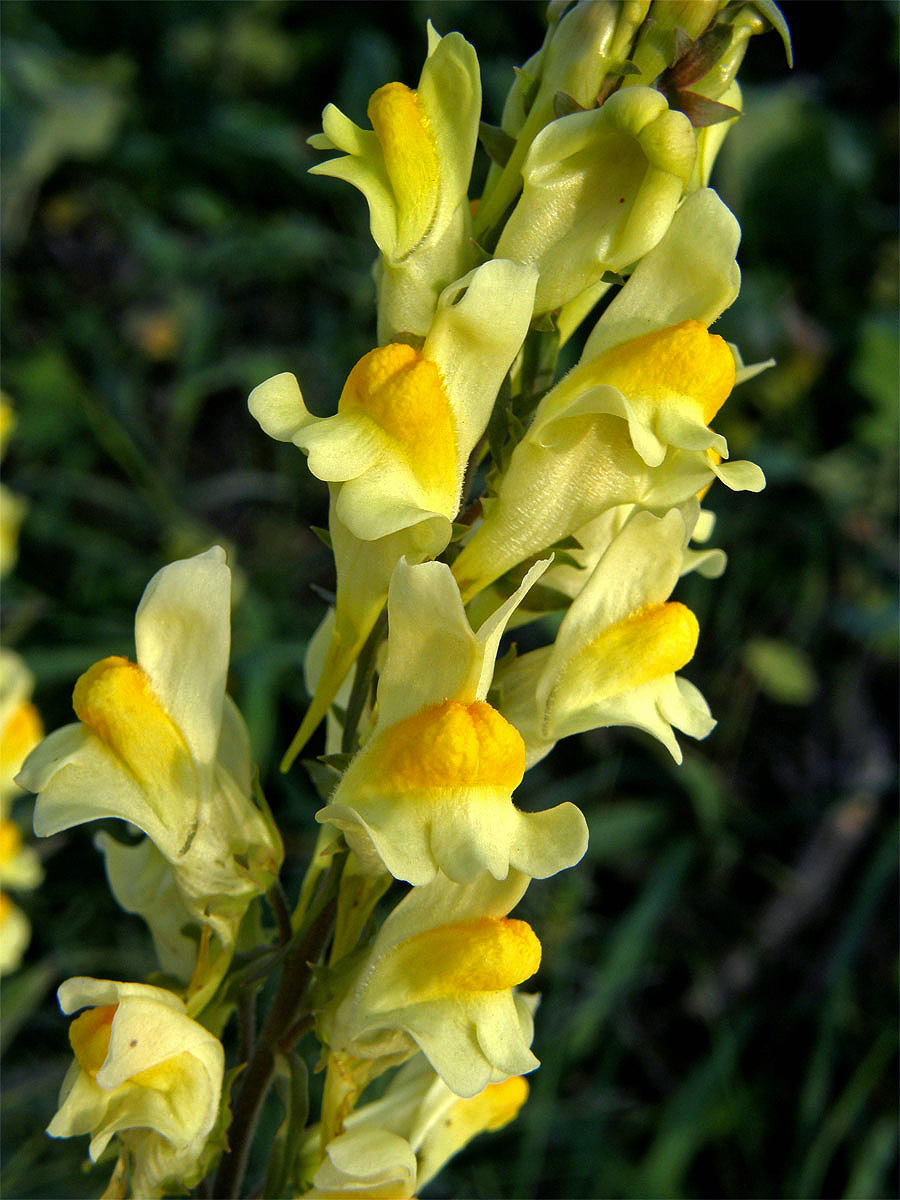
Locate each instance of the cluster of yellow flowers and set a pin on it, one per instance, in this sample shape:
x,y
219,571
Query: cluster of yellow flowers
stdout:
x,y
468,494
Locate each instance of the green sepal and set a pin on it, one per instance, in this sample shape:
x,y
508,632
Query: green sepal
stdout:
x,y
323,777
508,658
405,338
458,531
251,967
564,105
569,542
530,87
268,819
497,142
323,535
547,599
620,70
544,323
498,429
612,277
364,680
329,981
338,762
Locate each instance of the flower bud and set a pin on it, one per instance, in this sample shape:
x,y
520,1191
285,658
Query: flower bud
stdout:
x,y
657,46
581,46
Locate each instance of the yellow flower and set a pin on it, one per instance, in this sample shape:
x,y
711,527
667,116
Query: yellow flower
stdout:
x,y
395,1145
413,167
600,189
159,744
630,423
143,1071
15,934
365,1162
614,658
431,790
12,507
395,453
440,976
20,723
12,513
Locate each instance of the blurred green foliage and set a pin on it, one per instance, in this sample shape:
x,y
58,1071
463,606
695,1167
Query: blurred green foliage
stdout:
x,y
719,978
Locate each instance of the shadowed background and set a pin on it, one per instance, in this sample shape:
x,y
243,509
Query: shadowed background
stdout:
x,y
719,974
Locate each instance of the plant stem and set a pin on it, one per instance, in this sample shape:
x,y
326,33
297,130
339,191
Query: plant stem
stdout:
x,y
260,1070
280,907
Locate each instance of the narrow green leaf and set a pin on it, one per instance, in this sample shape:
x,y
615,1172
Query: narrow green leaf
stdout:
x,y
846,1111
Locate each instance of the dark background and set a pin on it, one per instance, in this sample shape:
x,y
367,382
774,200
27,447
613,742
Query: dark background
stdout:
x,y
719,976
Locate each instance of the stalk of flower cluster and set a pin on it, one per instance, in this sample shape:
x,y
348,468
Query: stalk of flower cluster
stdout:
x,y
607,169
591,509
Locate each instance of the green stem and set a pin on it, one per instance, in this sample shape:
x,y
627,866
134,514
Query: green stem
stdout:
x,y
281,910
280,1021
